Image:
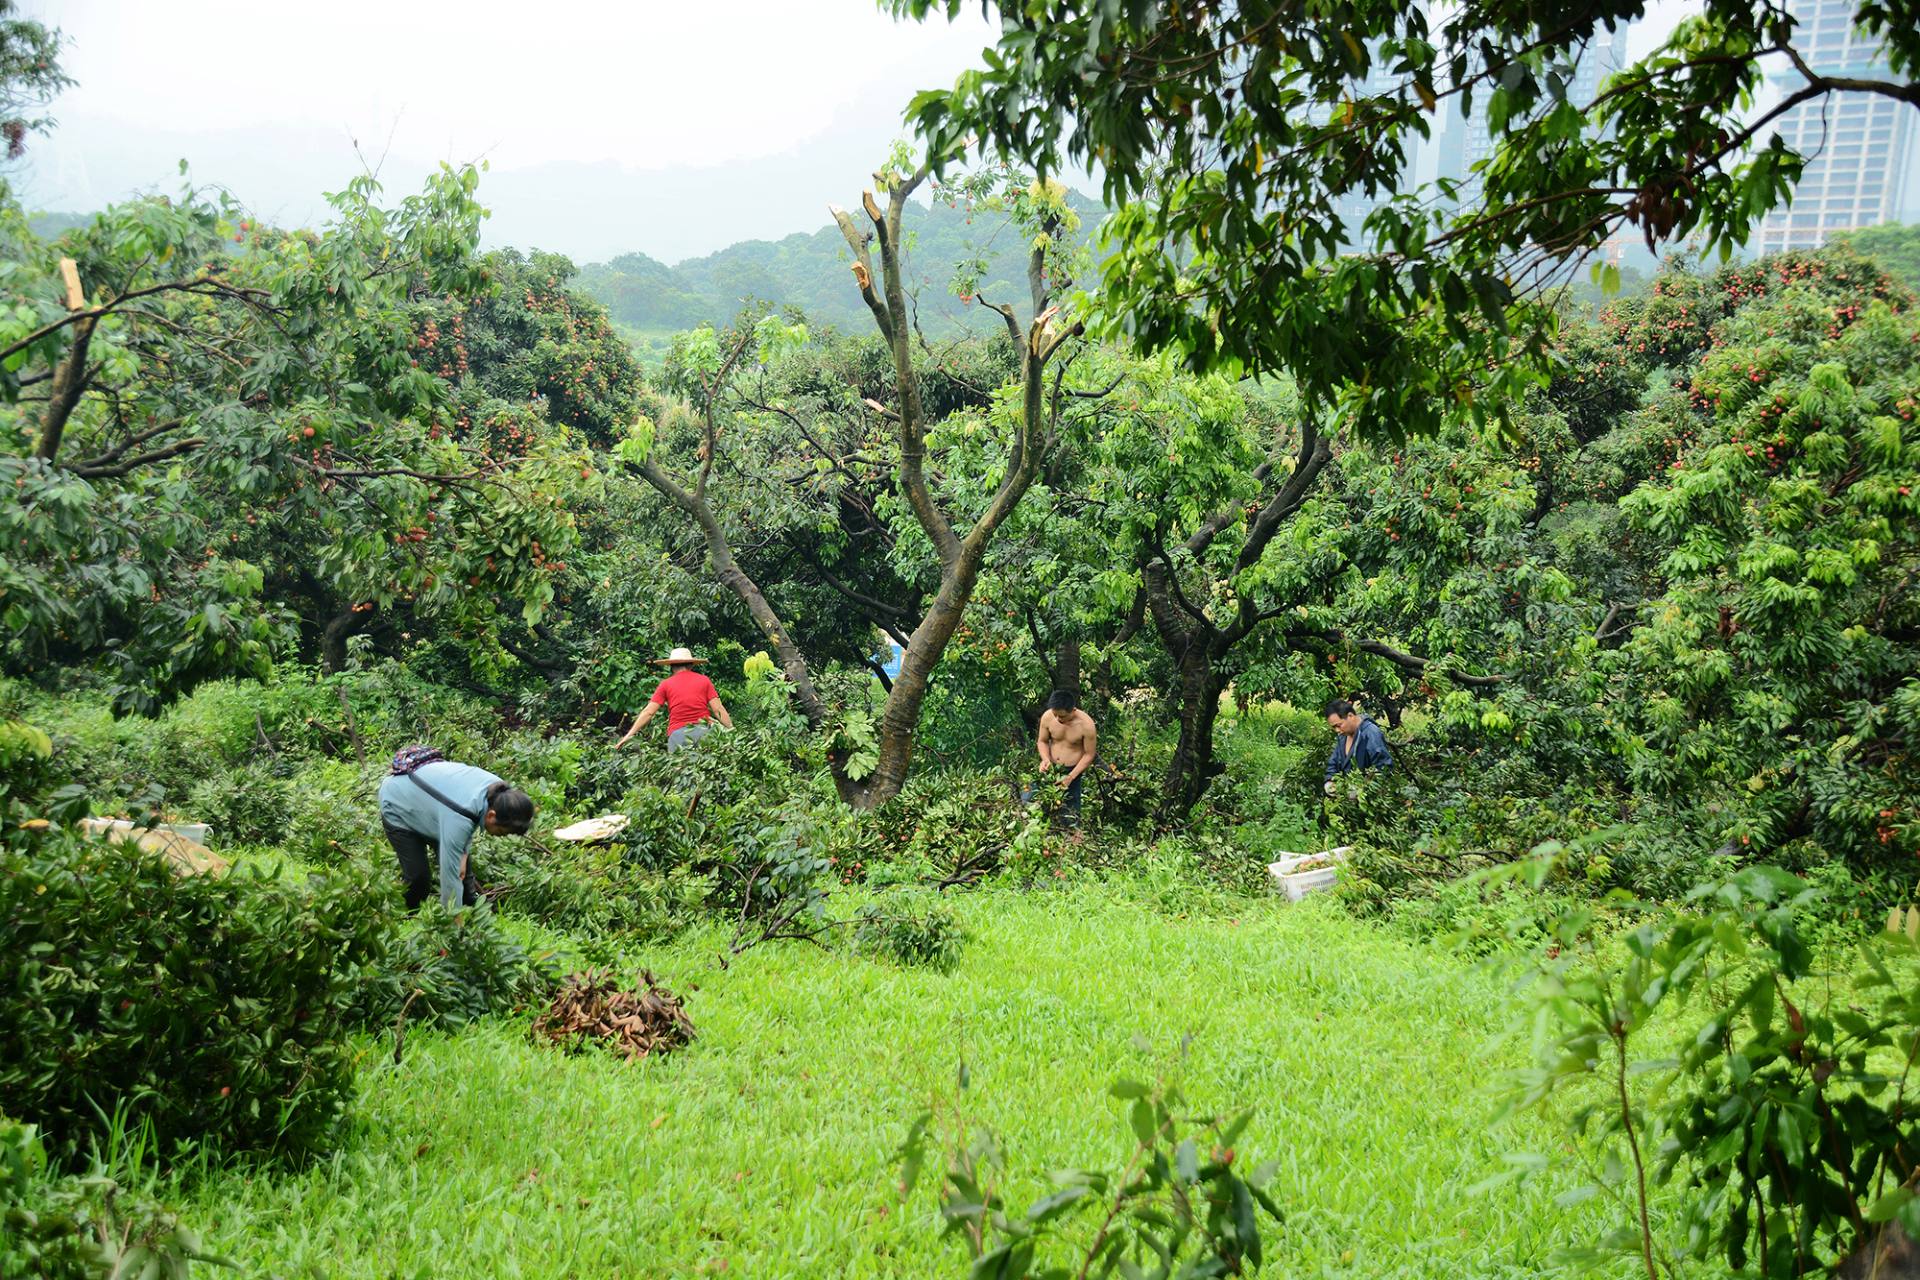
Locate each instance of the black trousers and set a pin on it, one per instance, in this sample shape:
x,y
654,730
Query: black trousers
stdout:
x,y
420,868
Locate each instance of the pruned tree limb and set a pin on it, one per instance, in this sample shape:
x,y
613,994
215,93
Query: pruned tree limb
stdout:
x,y
859,241
203,284
734,578
126,466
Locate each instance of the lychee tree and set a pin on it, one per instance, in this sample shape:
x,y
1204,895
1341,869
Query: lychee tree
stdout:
x,y
1777,667
1235,141
939,523
206,416
30,76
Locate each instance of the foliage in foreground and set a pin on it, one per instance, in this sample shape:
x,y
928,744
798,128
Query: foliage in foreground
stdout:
x,y
1176,1206
72,1227
1768,1094
209,1008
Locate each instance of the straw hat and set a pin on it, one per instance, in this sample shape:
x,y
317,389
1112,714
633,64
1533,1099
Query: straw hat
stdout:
x,y
677,658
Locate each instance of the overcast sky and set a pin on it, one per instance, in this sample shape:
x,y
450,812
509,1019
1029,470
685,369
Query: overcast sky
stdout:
x,y
666,126
670,127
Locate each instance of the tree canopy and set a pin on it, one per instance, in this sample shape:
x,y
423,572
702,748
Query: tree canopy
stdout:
x,y
1229,137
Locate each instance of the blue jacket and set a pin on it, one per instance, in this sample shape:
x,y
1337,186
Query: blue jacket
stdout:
x,y
405,804
1369,750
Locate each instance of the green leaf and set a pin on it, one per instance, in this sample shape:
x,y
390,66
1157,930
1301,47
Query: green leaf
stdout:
x,y
1141,1117
912,1153
1887,1206
1049,1207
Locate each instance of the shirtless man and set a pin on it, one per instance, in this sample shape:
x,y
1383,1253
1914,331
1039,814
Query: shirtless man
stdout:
x,y
1067,738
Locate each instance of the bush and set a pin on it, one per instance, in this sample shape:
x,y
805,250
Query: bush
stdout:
x,y
1481,918
911,935
214,1009
447,969
759,762
960,826
333,813
86,742
1194,871
772,873
217,722
190,742
547,769
597,890
25,763
660,833
80,1228
243,805
604,778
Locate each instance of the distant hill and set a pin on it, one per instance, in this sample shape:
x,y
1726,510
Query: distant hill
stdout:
x,y
51,226
809,270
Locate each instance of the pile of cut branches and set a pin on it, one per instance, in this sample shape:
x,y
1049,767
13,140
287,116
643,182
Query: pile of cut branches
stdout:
x,y
593,1007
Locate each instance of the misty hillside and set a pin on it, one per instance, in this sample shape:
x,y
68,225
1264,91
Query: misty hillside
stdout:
x,y
809,270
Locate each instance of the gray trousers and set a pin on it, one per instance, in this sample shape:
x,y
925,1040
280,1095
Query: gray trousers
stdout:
x,y
686,735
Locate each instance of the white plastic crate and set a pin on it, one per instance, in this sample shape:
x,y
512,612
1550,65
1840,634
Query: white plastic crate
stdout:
x,y
1299,874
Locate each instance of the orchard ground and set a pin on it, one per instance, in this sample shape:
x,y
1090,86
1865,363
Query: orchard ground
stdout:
x,y
1372,1063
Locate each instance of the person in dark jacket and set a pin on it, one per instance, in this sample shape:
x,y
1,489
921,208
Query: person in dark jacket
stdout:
x,y
1358,742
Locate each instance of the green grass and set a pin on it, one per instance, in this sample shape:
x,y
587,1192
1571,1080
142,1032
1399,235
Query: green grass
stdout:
x,y
767,1144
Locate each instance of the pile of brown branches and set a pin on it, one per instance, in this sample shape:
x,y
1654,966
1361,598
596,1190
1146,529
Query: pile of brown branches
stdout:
x,y
592,1006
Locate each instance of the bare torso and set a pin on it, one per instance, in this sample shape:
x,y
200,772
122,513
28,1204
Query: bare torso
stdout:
x,y
1069,739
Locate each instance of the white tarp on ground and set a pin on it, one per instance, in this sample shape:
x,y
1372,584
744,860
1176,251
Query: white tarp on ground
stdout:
x,y
604,827
189,857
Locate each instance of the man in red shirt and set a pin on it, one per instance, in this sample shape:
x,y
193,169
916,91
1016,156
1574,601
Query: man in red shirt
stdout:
x,y
689,698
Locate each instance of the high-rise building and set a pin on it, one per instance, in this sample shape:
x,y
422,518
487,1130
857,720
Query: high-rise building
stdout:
x,y
1858,146
1353,207
1466,140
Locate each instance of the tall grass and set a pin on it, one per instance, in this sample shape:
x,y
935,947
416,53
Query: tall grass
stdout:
x,y
763,1150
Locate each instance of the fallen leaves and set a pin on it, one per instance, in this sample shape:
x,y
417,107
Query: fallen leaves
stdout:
x,y
592,1006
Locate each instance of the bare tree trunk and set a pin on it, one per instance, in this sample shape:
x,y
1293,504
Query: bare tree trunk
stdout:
x,y
1193,768
900,717
720,556
1192,643
1066,664
69,383
960,556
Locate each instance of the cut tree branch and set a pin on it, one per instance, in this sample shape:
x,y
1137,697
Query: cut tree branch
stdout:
x,y
111,470
204,284
1313,457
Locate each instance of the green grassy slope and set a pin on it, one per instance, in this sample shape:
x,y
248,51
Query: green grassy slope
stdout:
x,y
766,1146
